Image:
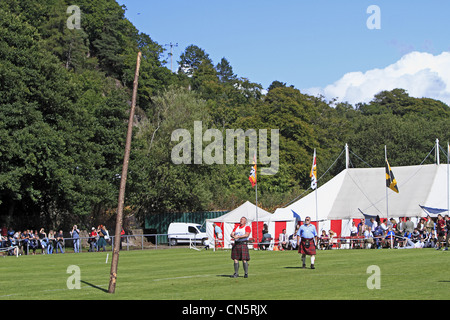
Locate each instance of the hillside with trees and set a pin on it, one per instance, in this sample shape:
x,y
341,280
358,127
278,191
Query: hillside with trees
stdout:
x,y
64,101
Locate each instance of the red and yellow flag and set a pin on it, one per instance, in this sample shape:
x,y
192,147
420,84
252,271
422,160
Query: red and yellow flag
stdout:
x,y
313,173
252,176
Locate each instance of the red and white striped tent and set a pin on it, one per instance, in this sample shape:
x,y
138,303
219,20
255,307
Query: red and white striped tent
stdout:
x,y
227,222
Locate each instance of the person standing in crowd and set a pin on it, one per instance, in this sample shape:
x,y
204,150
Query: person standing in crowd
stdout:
x,y
51,242
430,225
409,225
353,229
59,241
447,226
43,240
102,233
239,251
374,224
93,240
75,234
306,241
440,230
218,234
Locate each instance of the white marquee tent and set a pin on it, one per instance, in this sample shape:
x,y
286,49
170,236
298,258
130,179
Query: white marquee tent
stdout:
x,y
227,222
340,200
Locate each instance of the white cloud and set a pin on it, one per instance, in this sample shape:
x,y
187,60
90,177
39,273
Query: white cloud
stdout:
x,y
421,74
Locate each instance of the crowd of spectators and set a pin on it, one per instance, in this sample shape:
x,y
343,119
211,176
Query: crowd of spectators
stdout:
x,y
404,234
28,241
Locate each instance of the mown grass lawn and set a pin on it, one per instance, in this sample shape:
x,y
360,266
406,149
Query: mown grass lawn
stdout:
x,y
183,274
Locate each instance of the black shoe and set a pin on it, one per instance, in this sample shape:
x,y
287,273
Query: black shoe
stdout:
x,y
235,275
245,275
312,266
304,266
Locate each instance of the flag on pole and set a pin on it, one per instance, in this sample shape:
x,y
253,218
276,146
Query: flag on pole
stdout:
x,y
252,176
296,215
391,183
313,174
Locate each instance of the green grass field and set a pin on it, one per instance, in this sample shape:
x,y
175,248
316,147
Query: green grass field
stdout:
x,y
183,274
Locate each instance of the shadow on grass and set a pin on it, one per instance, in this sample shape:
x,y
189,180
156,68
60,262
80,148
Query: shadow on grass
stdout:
x,y
94,286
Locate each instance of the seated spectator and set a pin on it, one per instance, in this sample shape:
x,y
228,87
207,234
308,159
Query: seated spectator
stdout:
x,y
368,238
421,226
283,242
406,237
430,240
415,236
324,240
293,241
33,243
333,239
389,238
265,242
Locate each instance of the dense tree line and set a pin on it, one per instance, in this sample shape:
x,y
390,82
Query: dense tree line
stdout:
x,y
64,98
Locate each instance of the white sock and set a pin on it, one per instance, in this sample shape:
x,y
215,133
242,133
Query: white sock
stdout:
x,y
313,258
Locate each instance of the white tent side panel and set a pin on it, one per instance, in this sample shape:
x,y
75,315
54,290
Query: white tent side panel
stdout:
x,y
326,196
439,192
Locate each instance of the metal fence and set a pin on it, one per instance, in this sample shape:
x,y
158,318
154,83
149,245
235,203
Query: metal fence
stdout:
x,y
128,242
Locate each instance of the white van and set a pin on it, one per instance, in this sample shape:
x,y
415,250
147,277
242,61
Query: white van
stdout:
x,y
183,232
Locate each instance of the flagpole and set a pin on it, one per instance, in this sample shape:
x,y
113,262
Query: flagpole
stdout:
x,y
256,196
387,197
317,187
257,229
317,213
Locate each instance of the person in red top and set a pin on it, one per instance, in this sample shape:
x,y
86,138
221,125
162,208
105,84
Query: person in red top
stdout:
x,y
93,236
440,229
239,252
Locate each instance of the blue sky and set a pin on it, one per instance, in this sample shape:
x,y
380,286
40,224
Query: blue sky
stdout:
x,y
308,44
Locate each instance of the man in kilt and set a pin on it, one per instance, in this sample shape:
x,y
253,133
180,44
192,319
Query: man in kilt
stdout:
x,y
239,251
306,241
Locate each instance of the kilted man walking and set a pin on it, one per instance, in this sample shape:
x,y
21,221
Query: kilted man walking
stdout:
x,y
306,241
239,251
